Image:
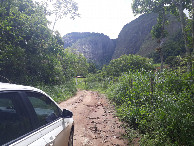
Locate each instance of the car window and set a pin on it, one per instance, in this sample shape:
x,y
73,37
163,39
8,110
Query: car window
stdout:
x,y
13,120
45,109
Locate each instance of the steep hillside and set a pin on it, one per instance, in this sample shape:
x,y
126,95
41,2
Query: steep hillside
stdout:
x,y
96,47
134,34
135,37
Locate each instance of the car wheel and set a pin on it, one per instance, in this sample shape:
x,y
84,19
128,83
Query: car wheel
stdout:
x,y
70,143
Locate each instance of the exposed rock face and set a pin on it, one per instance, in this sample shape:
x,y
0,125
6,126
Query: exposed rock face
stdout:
x,y
96,47
134,34
136,38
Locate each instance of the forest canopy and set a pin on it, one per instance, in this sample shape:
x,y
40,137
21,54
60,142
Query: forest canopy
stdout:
x,y
30,52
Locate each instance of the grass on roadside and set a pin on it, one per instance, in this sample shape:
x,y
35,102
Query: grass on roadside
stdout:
x,y
81,83
59,92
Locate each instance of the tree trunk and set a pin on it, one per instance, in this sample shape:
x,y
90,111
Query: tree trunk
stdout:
x,y
183,25
161,56
162,41
56,18
192,28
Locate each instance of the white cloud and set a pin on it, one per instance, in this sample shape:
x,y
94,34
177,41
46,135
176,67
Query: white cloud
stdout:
x,y
103,16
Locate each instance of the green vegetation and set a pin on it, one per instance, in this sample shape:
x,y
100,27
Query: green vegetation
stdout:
x,y
31,53
158,106
126,63
96,47
173,47
81,83
59,92
164,7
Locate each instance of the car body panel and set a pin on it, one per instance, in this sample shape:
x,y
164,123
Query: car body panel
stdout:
x,y
56,132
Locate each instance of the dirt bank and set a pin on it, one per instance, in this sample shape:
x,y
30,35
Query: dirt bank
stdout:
x,y
95,120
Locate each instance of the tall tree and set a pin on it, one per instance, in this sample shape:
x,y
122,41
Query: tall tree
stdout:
x,y
75,63
192,10
158,31
29,50
176,7
181,5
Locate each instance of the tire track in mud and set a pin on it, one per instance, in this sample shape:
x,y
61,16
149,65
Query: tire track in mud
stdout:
x,y
95,120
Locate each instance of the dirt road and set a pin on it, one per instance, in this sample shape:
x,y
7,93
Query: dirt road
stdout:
x,y
95,120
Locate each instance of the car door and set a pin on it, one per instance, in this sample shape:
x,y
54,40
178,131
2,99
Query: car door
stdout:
x,y
14,120
50,128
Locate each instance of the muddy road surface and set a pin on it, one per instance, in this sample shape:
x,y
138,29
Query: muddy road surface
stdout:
x,y
95,120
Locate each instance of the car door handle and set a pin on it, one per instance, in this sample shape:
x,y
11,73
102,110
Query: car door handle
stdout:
x,y
51,141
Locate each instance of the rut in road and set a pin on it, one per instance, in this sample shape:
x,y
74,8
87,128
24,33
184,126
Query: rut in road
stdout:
x,y
95,120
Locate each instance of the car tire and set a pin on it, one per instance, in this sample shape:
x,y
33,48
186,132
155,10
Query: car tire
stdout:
x,y
70,143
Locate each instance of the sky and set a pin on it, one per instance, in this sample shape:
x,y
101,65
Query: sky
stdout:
x,y
100,16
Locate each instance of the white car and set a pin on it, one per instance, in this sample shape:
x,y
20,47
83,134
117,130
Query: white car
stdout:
x,y
28,116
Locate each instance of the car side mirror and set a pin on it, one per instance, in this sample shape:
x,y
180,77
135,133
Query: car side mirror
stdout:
x,y
67,114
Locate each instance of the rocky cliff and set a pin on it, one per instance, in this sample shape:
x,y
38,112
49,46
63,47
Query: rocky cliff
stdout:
x,y
96,47
135,37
